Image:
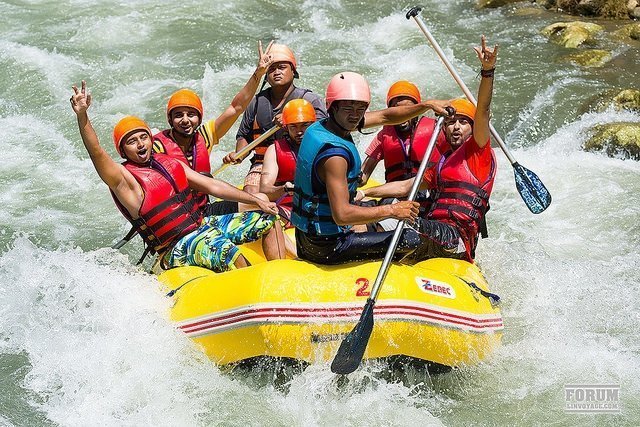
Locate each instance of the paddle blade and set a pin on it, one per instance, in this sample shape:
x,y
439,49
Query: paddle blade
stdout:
x,y
353,346
533,192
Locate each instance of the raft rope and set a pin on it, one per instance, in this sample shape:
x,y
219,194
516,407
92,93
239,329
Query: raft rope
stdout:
x,y
173,292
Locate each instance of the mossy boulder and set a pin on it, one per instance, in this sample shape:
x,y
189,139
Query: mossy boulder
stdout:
x,y
631,31
627,99
616,139
572,34
616,9
591,58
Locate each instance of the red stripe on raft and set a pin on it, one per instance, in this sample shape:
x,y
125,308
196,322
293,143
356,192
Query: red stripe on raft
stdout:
x,y
337,312
278,313
497,325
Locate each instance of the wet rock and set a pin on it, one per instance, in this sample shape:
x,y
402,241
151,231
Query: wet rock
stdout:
x,y
631,31
635,13
592,58
627,99
495,3
547,4
572,34
616,139
616,9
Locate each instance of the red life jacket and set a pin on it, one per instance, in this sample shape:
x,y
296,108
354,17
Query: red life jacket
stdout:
x,y
400,165
165,144
286,156
461,199
168,211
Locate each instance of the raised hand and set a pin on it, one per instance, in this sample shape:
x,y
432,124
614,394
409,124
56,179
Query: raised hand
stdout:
x,y
487,56
81,98
264,59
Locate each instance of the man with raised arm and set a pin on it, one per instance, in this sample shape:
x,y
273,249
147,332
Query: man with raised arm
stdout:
x,y
190,139
265,110
154,193
462,180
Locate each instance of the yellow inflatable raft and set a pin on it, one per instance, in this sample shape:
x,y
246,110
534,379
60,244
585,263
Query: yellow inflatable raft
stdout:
x,y
436,311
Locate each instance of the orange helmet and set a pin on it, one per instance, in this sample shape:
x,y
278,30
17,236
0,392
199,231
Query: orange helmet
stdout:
x,y
298,111
124,127
184,98
464,107
347,86
403,88
282,53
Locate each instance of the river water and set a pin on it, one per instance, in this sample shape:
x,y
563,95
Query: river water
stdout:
x,y
84,335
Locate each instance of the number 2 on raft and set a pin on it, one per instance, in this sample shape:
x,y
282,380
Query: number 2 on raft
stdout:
x,y
362,290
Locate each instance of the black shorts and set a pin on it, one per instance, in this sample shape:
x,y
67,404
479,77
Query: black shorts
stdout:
x,y
221,207
352,246
438,240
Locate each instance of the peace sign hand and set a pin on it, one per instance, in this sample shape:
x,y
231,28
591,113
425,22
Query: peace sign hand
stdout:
x,y
264,59
487,56
81,99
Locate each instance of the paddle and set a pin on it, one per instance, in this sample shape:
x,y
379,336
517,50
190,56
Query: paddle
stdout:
x,y
353,346
242,153
531,189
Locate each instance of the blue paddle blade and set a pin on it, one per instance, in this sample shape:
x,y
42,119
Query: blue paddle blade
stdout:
x,y
533,192
352,349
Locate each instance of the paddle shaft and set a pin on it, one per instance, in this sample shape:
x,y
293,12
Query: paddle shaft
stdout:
x,y
384,268
413,13
242,153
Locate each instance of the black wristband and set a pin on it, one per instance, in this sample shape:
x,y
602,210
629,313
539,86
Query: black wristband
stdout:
x,y
487,73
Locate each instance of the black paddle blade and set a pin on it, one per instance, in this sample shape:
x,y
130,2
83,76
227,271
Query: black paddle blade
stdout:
x,y
533,192
352,349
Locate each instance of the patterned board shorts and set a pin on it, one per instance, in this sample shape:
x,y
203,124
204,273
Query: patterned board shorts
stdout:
x,y
213,244
254,174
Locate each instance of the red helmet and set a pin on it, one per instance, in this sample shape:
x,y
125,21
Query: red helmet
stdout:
x,y
124,127
347,86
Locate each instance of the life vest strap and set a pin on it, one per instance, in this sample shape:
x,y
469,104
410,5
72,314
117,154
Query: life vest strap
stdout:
x,y
473,213
179,197
475,201
126,238
466,186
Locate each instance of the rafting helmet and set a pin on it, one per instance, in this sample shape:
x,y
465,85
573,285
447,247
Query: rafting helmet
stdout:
x,y
282,53
403,88
347,86
298,111
184,98
124,127
464,107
